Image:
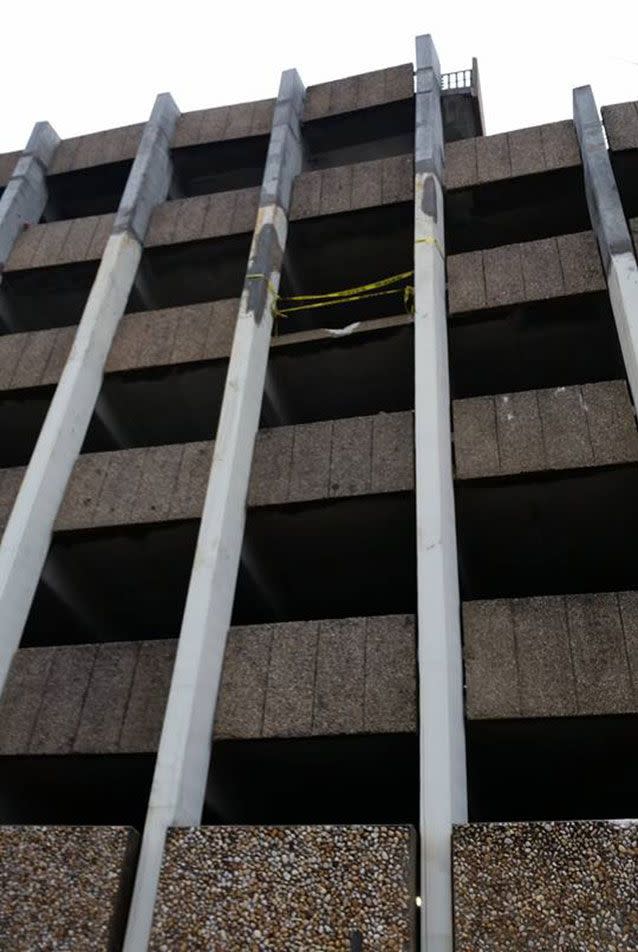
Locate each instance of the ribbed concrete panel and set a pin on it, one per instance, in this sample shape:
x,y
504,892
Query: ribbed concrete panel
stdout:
x,y
621,125
65,887
350,187
508,155
551,656
293,679
359,92
225,122
559,428
530,271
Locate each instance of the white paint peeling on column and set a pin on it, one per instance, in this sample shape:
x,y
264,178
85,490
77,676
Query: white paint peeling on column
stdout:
x,y
182,766
29,529
443,786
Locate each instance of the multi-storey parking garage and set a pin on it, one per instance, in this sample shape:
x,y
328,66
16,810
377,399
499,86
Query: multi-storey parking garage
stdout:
x,y
319,481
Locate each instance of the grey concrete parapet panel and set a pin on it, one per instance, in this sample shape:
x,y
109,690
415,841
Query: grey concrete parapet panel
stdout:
x,y
291,679
540,886
508,155
64,887
347,188
239,121
537,430
150,176
98,148
359,92
621,125
25,194
301,887
530,271
552,656
605,208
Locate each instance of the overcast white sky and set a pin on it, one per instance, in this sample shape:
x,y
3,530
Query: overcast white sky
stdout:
x,y
92,65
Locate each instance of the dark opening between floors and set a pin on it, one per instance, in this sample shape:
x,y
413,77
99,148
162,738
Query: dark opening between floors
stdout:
x,y
549,533
625,166
513,210
554,343
359,136
40,298
76,789
190,273
315,380
22,414
218,166
82,192
570,768
329,559
360,779
336,252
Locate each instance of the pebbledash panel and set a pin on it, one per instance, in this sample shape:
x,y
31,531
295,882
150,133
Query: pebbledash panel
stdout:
x,y
311,834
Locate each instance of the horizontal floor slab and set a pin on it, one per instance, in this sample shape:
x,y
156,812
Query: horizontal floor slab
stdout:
x,y
558,428
297,679
551,656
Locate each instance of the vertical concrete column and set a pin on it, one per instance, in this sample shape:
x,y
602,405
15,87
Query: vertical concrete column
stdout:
x,y
179,782
28,533
441,732
25,195
611,230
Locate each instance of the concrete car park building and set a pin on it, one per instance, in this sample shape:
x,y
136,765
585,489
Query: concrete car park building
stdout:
x,y
319,486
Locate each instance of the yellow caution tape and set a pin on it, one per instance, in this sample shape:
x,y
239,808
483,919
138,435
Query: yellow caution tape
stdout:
x,y
431,240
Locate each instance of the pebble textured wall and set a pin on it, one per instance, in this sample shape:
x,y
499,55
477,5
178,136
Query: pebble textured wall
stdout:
x,y
286,889
546,887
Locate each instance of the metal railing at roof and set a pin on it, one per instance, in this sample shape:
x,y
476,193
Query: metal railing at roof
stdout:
x,y
456,81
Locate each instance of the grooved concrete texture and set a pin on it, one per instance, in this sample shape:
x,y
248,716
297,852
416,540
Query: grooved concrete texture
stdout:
x,y
545,886
531,271
559,428
64,888
287,889
552,656
507,155
291,464
359,92
117,145
293,679
621,125
348,187
345,188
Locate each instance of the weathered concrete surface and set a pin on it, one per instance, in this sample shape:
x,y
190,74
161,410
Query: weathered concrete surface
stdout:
x,y
293,679
558,428
348,187
621,125
542,886
286,889
118,145
508,155
530,271
359,92
345,188
64,888
552,656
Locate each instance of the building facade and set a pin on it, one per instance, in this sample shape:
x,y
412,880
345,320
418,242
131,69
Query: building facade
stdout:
x,y
318,613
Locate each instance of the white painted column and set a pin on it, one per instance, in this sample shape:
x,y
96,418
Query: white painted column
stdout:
x,y
181,771
443,788
28,533
25,195
611,230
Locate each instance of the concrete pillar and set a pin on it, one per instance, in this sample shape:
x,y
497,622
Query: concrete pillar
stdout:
x,y
611,230
443,796
28,533
179,782
25,195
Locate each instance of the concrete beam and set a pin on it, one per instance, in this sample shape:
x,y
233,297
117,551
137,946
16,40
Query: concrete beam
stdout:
x,y
443,791
611,230
179,783
28,533
25,195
